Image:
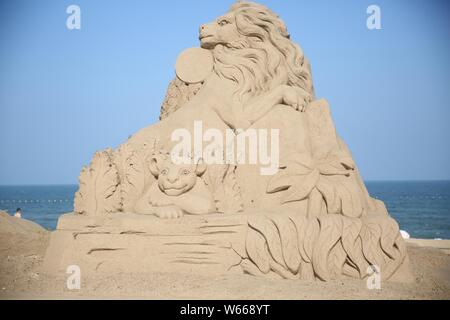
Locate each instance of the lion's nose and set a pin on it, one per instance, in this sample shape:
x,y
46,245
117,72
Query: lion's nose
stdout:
x,y
172,179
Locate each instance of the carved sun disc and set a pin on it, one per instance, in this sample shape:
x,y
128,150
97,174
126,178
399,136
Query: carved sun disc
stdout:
x,y
194,65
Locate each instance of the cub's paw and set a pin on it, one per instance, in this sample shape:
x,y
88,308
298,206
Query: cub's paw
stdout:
x,y
162,202
169,212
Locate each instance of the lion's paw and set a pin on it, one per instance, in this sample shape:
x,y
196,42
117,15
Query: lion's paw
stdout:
x,y
169,212
295,97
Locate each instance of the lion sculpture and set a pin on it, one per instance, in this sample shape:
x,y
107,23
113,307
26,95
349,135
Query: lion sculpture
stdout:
x,y
251,48
314,218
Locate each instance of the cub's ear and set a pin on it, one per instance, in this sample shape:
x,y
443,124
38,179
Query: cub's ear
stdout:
x,y
153,166
200,167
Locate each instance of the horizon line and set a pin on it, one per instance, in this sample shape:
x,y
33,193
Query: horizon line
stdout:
x,y
365,180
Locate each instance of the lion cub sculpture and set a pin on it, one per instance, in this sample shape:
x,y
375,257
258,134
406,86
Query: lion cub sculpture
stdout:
x,y
179,190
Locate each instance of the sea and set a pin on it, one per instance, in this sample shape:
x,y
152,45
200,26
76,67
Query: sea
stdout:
x,y
422,208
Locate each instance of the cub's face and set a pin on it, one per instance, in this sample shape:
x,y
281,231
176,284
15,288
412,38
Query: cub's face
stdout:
x,y
174,180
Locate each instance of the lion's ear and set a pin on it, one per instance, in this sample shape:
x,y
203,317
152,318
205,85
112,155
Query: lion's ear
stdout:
x,y
153,165
200,167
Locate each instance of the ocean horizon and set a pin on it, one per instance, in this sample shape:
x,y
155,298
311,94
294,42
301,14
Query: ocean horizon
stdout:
x,y
421,207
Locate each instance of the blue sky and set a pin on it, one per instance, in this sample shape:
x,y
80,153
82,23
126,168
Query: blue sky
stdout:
x,y
66,93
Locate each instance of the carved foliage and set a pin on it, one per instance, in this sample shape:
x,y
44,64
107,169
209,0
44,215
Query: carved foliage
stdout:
x,y
178,93
221,181
135,175
98,193
330,176
340,245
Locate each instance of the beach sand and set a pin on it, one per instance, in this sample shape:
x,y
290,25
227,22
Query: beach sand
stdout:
x,y
23,244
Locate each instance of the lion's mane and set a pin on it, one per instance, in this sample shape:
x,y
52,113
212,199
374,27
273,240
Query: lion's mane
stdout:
x,y
264,56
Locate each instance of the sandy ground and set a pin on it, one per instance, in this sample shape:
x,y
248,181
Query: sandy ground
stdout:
x,y
21,255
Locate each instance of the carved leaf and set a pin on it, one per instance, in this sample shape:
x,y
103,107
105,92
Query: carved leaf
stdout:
x,y
355,193
301,224
387,229
352,243
336,260
133,183
312,233
332,169
303,162
349,196
350,270
282,181
288,235
327,190
119,161
389,233
301,189
343,157
399,258
400,244
98,193
401,251
347,162
257,250
295,168
132,162
330,233
370,236
270,232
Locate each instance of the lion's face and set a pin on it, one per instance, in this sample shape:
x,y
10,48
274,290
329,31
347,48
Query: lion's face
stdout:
x,y
221,31
174,180
252,48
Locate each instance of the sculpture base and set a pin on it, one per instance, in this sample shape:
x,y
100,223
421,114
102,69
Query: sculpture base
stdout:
x,y
128,242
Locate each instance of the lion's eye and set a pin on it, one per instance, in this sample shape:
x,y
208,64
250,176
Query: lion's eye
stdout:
x,y
164,172
223,22
185,172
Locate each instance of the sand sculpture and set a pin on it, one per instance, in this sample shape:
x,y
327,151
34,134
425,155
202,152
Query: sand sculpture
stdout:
x,y
287,201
